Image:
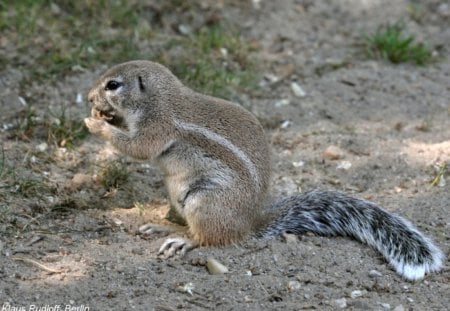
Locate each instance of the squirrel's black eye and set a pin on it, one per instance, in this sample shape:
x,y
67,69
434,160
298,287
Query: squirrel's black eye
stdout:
x,y
112,85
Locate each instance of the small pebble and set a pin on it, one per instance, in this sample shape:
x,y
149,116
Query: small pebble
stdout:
x,y
186,288
268,79
224,52
8,126
117,222
399,308
215,267
375,274
248,299
22,101
42,147
285,124
294,285
385,306
340,303
185,29
297,90
290,238
333,153
357,293
298,164
344,165
282,102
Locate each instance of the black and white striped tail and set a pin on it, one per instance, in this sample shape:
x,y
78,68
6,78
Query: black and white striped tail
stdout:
x,y
329,213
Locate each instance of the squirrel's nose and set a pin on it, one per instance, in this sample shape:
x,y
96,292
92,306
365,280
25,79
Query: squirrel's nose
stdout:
x,y
91,98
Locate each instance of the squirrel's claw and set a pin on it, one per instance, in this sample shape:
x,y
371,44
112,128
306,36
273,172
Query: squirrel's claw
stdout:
x,y
149,229
175,246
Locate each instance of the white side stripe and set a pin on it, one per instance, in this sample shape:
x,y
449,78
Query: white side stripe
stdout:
x,y
222,141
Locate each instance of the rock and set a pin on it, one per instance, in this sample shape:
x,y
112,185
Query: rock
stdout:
x,y
344,165
185,29
375,274
399,308
298,164
215,267
42,147
286,124
297,90
268,80
385,306
333,153
340,303
294,285
186,288
357,293
290,238
282,102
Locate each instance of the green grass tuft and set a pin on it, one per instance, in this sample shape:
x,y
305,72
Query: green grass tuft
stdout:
x,y
67,35
113,175
15,181
215,61
30,187
389,43
65,132
57,128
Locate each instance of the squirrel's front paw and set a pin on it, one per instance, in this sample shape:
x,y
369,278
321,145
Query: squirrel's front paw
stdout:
x,y
98,127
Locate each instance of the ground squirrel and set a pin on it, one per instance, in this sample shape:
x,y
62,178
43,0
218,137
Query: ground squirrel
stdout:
x,y
216,163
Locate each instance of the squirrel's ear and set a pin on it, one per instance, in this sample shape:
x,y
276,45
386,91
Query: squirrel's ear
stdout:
x,y
141,84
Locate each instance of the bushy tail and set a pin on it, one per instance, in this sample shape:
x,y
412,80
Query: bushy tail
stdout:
x,y
327,213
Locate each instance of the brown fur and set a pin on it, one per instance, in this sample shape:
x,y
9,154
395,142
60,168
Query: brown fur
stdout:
x,y
232,210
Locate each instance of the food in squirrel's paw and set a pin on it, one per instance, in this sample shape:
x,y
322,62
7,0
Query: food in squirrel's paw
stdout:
x,y
110,116
104,115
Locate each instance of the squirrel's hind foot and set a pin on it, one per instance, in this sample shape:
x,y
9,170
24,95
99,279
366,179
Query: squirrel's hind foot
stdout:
x,y
175,247
171,246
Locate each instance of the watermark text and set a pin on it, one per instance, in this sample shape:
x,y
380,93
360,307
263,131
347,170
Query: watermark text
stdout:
x,y
35,307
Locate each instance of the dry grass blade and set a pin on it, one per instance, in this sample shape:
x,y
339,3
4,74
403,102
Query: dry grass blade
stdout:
x,y
38,264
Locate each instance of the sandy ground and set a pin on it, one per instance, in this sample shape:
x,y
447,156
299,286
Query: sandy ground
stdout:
x,y
391,123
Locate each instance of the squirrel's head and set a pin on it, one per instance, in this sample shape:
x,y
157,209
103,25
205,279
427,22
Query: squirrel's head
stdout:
x,y
135,86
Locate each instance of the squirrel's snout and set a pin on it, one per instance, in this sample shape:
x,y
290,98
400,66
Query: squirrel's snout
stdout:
x,y
91,97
